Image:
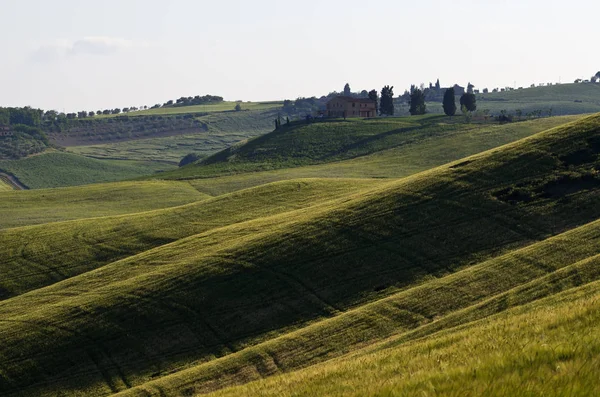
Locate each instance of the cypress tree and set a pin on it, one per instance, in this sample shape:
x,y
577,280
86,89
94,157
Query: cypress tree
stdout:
x,y
449,102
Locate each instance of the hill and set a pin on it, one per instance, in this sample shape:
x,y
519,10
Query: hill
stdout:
x,y
219,281
57,169
377,148
23,208
557,99
212,132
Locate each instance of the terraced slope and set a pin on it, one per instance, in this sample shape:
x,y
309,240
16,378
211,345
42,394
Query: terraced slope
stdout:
x,y
229,288
30,207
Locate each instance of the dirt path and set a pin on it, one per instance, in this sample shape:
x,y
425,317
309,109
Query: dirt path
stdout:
x,y
12,181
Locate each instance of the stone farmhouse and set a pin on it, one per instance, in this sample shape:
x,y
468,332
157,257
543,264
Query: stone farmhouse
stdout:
x,y
343,106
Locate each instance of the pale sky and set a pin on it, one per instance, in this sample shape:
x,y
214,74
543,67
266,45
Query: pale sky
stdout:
x,y
82,55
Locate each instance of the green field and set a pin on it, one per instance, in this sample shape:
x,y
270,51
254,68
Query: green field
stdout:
x,y
23,208
224,106
425,271
562,99
382,148
223,130
57,169
5,186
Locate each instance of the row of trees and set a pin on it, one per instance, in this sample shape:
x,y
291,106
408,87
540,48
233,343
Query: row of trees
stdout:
x,y
594,79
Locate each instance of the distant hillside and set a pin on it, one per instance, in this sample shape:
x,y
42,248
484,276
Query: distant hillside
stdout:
x,y
559,99
269,280
213,132
383,147
57,169
21,141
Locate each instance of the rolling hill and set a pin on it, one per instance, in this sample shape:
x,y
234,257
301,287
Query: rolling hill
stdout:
x,y
53,205
58,169
267,280
378,148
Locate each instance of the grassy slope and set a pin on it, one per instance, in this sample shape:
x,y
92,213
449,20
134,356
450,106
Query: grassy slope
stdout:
x,y
224,130
5,187
423,153
490,287
30,207
560,98
35,256
217,107
229,288
57,169
546,348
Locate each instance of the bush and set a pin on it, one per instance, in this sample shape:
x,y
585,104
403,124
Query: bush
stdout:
x,y
189,159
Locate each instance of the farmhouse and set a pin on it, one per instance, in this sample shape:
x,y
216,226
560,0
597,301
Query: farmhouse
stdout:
x,y
343,106
5,130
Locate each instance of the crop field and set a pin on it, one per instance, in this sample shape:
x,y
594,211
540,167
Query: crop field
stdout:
x,y
5,187
222,131
23,208
57,169
224,106
390,257
397,151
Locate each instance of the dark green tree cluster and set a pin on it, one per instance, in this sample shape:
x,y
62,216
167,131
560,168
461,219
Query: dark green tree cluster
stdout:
x,y
386,104
417,102
189,159
197,100
468,102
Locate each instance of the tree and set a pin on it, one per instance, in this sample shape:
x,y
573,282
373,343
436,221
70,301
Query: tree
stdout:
x,y
486,91
347,91
469,101
577,81
470,88
437,85
188,159
238,107
374,97
449,102
417,102
116,111
386,105
594,79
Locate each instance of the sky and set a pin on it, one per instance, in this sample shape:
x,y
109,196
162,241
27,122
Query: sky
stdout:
x,y
71,55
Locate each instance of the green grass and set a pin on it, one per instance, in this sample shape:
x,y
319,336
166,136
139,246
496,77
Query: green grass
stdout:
x,y
30,207
5,187
56,169
223,130
37,256
563,99
548,348
491,287
428,146
176,288
208,108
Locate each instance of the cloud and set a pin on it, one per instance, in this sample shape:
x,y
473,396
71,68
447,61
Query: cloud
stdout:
x,y
94,45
